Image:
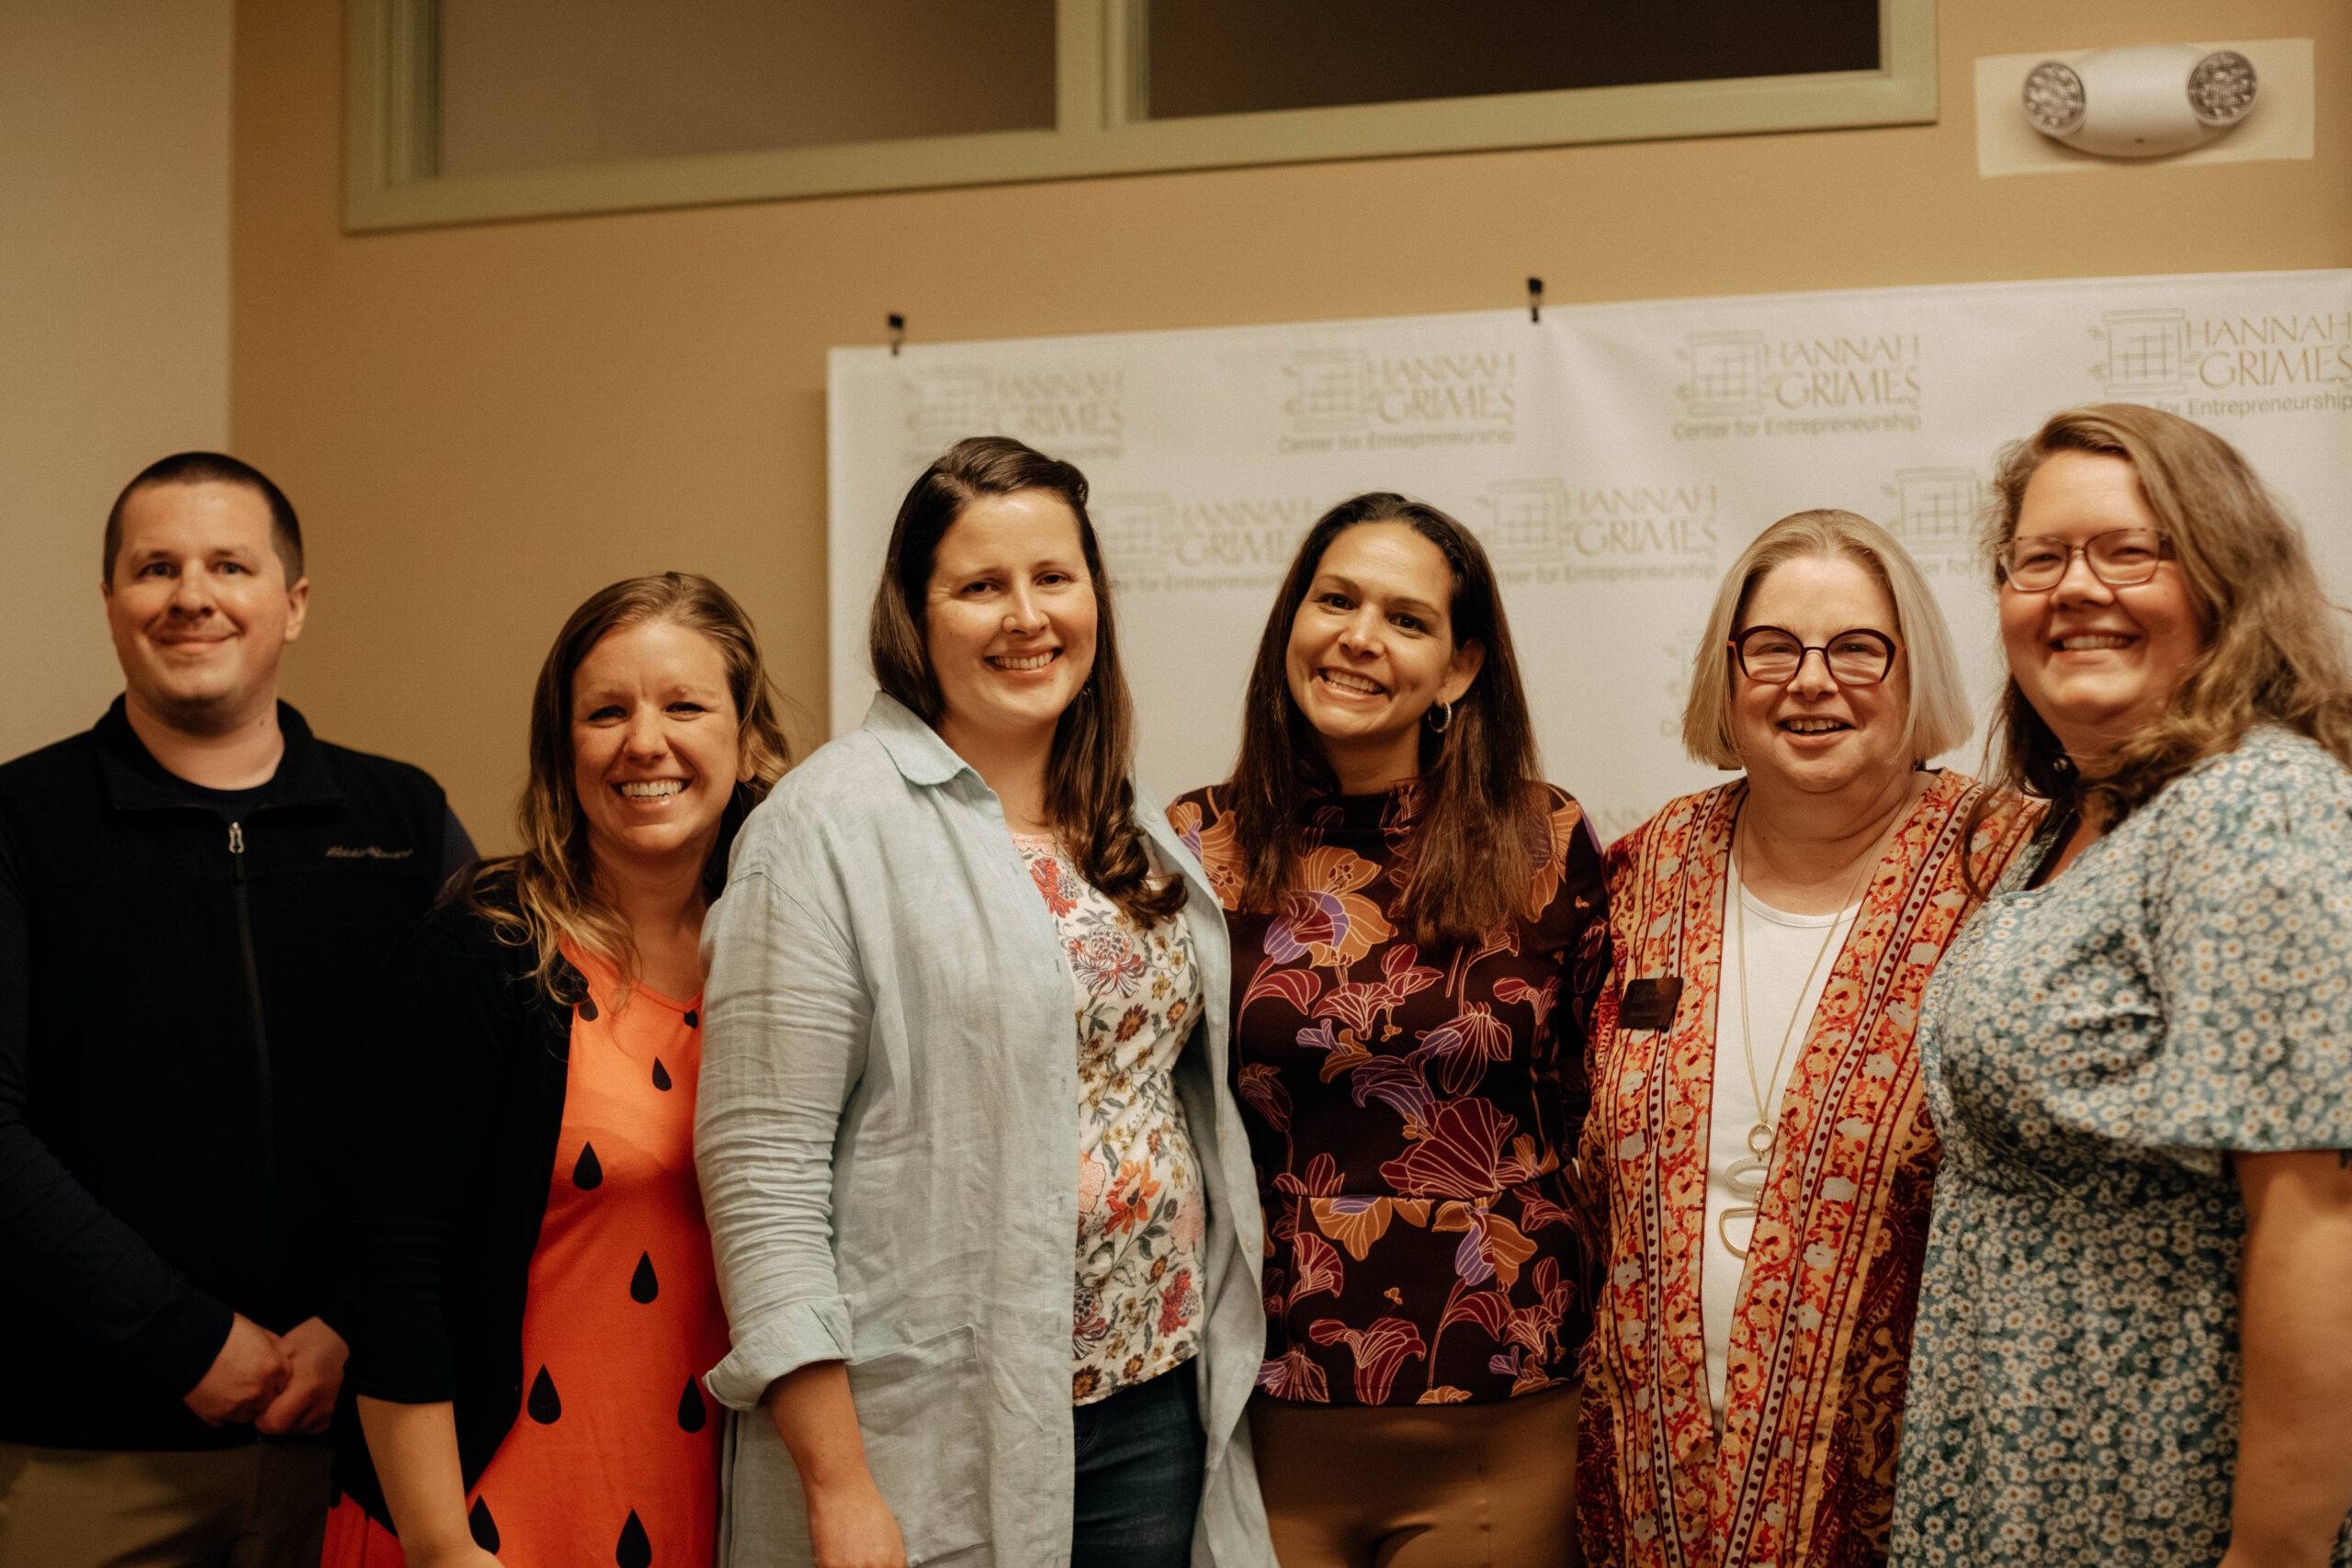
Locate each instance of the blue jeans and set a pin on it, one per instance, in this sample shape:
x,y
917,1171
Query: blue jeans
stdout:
x,y
1139,1457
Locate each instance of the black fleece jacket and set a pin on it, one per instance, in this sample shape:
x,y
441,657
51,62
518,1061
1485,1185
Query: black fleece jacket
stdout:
x,y
177,1000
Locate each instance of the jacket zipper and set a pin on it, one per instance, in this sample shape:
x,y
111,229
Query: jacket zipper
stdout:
x,y
263,1083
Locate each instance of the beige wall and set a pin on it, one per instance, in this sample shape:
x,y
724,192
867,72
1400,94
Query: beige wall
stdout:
x,y
537,83
484,425
114,309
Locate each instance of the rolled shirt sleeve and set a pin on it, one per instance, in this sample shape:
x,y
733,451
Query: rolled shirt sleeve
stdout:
x,y
785,1021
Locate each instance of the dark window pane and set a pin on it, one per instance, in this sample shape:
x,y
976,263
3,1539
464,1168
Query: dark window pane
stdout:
x,y
1238,56
540,84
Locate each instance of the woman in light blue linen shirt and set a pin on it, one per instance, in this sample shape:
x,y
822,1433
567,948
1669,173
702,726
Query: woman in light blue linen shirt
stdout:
x,y
978,1190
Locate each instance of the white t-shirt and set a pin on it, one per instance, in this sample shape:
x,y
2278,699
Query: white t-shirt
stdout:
x,y
1782,948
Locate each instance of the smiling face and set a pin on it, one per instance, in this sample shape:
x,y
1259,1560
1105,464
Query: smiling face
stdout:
x,y
1812,734
2097,662
656,745
1371,650
199,606
1009,618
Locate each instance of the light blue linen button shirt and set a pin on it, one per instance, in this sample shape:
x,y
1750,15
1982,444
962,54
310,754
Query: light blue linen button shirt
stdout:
x,y
887,1136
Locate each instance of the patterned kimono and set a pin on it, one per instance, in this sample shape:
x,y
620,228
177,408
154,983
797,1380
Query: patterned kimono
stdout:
x,y
1814,1389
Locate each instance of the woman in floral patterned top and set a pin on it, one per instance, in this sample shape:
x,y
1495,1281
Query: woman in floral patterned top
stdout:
x,y
1418,932
2135,1325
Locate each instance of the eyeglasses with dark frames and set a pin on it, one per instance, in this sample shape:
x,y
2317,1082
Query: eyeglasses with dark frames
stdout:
x,y
2121,558
1856,656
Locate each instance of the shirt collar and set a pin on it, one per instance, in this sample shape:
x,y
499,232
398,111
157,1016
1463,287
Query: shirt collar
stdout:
x,y
920,755
136,782
922,758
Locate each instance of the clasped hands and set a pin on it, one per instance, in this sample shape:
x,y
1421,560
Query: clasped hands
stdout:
x,y
281,1383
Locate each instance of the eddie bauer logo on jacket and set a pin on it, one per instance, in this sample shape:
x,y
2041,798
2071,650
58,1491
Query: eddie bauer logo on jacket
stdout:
x,y
367,852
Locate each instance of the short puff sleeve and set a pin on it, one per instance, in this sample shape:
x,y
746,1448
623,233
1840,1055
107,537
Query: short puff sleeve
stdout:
x,y
2251,953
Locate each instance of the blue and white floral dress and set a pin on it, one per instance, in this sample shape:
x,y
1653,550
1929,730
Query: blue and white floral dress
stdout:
x,y
2095,1050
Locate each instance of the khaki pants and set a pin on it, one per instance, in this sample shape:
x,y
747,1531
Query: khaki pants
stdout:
x,y
1421,1485
262,1506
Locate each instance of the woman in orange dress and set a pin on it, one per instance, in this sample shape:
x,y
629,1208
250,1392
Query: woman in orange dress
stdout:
x,y
532,1299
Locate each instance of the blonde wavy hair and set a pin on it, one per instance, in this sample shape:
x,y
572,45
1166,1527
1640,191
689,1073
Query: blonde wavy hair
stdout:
x,y
1937,718
547,891
2274,652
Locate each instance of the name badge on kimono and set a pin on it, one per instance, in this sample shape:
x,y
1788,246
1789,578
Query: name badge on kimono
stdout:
x,y
1649,1004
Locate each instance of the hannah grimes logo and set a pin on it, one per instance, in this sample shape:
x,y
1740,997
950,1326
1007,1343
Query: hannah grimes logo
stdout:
x,y
2227,365
1153,540
1353,401
1744,383
1068,413
2143,351
1550,530
1935,510
1726,374
1130,529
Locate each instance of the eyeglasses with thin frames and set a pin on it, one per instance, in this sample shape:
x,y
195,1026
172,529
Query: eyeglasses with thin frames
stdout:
x,y
1856,656
2121,558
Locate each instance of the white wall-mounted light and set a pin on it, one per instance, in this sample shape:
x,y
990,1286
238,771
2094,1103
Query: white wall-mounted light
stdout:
x,y
2142,101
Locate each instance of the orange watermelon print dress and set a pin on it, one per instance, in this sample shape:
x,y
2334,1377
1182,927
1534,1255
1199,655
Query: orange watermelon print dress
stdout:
x,y
614,1458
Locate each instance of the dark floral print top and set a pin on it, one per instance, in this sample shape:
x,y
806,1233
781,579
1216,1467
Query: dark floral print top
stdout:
x,y
1409,1112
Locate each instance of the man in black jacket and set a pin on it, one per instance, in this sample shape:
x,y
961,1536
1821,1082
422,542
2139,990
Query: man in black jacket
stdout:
x,y
193,898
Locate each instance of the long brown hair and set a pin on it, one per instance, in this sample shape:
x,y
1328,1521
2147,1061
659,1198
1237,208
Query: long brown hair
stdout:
x,y
2273,653
1480,813
1089,793
547,891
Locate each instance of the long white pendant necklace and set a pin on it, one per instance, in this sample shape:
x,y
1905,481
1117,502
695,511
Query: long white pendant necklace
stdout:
x,y
1745,1175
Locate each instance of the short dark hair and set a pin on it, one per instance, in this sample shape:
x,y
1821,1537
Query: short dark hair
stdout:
x,y
213,467
1087,787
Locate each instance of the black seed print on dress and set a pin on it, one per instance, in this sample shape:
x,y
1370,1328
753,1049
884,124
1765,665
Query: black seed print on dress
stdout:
x,y
587,1171
635,1551
484,1528
642,1286
692,1413
660,1076
694,1018
588,1008
543,1405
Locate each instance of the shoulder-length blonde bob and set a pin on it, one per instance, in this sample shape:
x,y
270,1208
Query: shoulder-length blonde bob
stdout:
x,y
2274,652
1939,719
547,891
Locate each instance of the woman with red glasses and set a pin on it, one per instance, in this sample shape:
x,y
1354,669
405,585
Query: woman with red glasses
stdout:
x,y
1758,1161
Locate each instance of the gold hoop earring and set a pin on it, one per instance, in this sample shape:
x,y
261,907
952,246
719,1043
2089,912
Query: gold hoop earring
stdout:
x,y
1439,726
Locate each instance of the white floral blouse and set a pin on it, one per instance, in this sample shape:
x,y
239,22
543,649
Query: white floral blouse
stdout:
x,y
1141,1211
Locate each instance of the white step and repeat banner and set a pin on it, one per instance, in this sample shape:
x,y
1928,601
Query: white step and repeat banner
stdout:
x,y
1613,458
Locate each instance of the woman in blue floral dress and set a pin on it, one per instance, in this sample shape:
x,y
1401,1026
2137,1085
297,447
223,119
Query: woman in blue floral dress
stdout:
x,y
2134,1342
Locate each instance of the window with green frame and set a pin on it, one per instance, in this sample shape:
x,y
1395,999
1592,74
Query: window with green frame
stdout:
x,y
474,110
